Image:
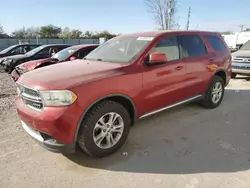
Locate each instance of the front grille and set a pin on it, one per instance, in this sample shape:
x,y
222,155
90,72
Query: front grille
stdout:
x,y
30,97
242,59
240,67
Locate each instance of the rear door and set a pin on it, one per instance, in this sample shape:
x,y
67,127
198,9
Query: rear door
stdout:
x,y
196,57
164,84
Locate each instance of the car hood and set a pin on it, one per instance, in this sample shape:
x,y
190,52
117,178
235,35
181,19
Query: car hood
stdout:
x,y
69,74
30,65
242,53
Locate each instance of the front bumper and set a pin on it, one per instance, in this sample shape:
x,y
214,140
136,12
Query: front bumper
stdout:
x,y
48,142
58,123
241,68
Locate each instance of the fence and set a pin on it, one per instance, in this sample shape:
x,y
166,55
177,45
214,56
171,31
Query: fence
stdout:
x,y
4,43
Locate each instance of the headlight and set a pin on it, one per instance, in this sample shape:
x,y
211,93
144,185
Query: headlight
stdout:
x,y
58,97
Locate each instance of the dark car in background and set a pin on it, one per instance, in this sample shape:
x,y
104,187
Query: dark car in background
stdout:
x,y
17,49
40,52
241,61
67,54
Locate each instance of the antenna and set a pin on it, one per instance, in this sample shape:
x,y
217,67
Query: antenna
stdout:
x,y
188,19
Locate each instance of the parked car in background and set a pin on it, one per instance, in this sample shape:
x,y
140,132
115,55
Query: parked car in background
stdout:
x,y
17,49
67,54
40,52
241,61
93,102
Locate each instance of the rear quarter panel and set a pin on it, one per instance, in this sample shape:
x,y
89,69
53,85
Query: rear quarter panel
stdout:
x,y
222,59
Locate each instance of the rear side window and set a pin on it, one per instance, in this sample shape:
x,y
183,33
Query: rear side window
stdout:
x,y
192,46
216,43
82,53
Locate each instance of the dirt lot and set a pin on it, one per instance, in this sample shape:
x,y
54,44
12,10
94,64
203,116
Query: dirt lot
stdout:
x,y
188,147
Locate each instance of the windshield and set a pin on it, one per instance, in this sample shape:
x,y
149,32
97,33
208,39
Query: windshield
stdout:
x,y
8,49
64,54
120,49
246,46
34,51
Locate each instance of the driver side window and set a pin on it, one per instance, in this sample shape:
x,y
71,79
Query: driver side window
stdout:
x,y
17,50
169,46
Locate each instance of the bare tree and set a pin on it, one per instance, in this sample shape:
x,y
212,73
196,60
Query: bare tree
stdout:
x,y
164,12
1,29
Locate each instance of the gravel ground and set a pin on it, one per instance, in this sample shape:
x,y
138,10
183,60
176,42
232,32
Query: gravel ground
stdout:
x,y
187,147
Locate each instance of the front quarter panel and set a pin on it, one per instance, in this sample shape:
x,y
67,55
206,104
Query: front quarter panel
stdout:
x,y
128,85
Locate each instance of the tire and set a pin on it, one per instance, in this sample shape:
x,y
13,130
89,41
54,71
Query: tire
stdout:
x,y
233,75
208,101
87,130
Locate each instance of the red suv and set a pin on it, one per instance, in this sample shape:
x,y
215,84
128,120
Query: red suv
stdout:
x,y
93,102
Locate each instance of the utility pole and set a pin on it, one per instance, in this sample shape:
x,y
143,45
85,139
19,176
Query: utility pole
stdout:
x,y
188,20
169,8
241,27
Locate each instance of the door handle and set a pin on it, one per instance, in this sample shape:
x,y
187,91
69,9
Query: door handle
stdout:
x,y
179,68
211,61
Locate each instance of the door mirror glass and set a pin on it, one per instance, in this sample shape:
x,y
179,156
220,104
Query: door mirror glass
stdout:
x,y
72,58
157,58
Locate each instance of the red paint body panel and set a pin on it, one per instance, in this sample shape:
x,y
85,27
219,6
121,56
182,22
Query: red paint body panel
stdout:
x,y
56,122
149,87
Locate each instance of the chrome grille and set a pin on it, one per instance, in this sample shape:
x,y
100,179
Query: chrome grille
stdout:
x,y
30,97
242,59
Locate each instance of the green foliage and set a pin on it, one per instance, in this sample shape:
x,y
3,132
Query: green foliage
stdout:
x,y
227,33
2,33
31,32
51,31
76,34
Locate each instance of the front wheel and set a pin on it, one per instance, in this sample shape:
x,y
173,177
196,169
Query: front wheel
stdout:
x,y
104,129
215,93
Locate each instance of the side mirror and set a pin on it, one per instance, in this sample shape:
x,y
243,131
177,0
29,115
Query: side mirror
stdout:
x,y
157,58
72,58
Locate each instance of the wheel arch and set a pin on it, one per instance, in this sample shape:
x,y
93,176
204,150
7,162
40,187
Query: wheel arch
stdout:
x,y
223,74
125,100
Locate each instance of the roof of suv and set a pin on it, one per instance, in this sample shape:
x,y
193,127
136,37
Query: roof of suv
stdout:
x,y
160,32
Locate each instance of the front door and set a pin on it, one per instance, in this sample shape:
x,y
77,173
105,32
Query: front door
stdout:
x,y
163,84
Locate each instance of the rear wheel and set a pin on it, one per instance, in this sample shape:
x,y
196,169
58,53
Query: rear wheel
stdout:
x,y
215,93
233,75
104,129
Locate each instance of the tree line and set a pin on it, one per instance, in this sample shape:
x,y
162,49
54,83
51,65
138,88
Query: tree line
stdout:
x,y
52,31
231,32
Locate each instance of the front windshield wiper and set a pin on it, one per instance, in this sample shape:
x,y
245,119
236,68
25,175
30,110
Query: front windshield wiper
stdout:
x,y
92,59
